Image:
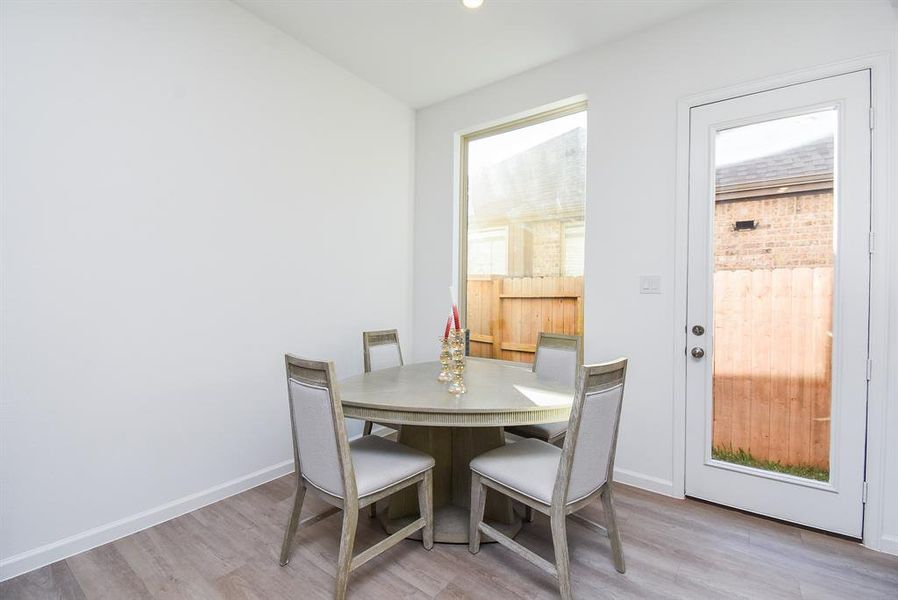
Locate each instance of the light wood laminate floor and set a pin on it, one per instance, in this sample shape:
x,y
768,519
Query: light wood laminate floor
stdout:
x,y
674,549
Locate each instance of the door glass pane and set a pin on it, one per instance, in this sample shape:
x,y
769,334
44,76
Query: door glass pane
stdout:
x,y
525,225
773,291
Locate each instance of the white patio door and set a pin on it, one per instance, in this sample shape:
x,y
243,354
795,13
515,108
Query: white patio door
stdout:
x,y
778,296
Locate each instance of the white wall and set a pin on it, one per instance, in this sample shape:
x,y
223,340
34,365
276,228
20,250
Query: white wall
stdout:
x,y
187,194
633,87
889,489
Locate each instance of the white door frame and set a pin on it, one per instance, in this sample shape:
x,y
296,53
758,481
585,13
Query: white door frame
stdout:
x,y
881,186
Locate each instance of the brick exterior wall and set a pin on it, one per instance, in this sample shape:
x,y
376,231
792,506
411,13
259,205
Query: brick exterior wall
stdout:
x,y
546,248
793,231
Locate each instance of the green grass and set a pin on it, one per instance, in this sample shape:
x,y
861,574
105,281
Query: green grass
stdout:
x,y
741,457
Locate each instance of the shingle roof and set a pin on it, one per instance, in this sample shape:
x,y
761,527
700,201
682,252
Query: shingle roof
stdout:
x,y
546,180
814,158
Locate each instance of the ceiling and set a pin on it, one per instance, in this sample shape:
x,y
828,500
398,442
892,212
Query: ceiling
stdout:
x,y
425,51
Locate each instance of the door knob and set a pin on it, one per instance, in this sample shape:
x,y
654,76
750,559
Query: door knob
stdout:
x,y
697,352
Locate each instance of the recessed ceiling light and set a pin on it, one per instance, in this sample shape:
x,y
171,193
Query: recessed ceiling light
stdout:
x,y
472,3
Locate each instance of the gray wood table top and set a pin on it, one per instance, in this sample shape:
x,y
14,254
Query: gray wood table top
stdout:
x,y
499,394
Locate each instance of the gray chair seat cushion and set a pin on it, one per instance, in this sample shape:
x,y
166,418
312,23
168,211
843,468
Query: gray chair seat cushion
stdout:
x,y
545,431
529,467
379,463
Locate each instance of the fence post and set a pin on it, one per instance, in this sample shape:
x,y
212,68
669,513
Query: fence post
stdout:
x,y
496,323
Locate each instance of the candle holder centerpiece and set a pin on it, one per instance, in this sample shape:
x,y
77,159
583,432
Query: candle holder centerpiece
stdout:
x,y
452,355
445,361
457,361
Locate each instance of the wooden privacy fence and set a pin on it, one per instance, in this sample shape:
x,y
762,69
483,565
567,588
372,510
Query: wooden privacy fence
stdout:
x,y
505,314
772,363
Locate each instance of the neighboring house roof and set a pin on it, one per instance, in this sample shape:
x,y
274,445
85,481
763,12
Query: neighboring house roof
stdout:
x,y
812,159
545,182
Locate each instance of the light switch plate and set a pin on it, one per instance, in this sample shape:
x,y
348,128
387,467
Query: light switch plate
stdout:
x,y
650,284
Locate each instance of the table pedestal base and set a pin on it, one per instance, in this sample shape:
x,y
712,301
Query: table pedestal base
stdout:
x,y
452,448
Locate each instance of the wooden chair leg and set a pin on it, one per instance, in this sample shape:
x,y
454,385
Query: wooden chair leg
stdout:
x,y
478,503
291,525
347,541
366,430
617,549
372,510
425,506
528,513
562,560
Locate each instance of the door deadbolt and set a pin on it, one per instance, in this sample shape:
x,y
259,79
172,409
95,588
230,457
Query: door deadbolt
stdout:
x,y
697,352
698,330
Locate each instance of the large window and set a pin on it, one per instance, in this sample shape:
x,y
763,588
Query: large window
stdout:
x,y
523,232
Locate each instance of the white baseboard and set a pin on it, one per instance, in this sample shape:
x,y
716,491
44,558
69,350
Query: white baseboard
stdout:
x,y
888,543
645,482
103,534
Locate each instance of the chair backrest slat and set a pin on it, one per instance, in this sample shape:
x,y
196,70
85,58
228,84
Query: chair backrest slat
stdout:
x,y
381,349
558,356
320,445
587,459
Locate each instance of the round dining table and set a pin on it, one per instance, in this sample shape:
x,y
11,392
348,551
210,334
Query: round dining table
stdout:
x,y
454,429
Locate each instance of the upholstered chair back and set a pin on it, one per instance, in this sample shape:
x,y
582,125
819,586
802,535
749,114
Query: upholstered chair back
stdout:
x,y
558,357
588,454
381,349
320,445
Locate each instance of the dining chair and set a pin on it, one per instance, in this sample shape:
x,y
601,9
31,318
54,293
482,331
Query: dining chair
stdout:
x,y
380,350
560,481
347,475
557,357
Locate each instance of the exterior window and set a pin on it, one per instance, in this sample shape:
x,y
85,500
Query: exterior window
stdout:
x,y
488,251
522,226
574,237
